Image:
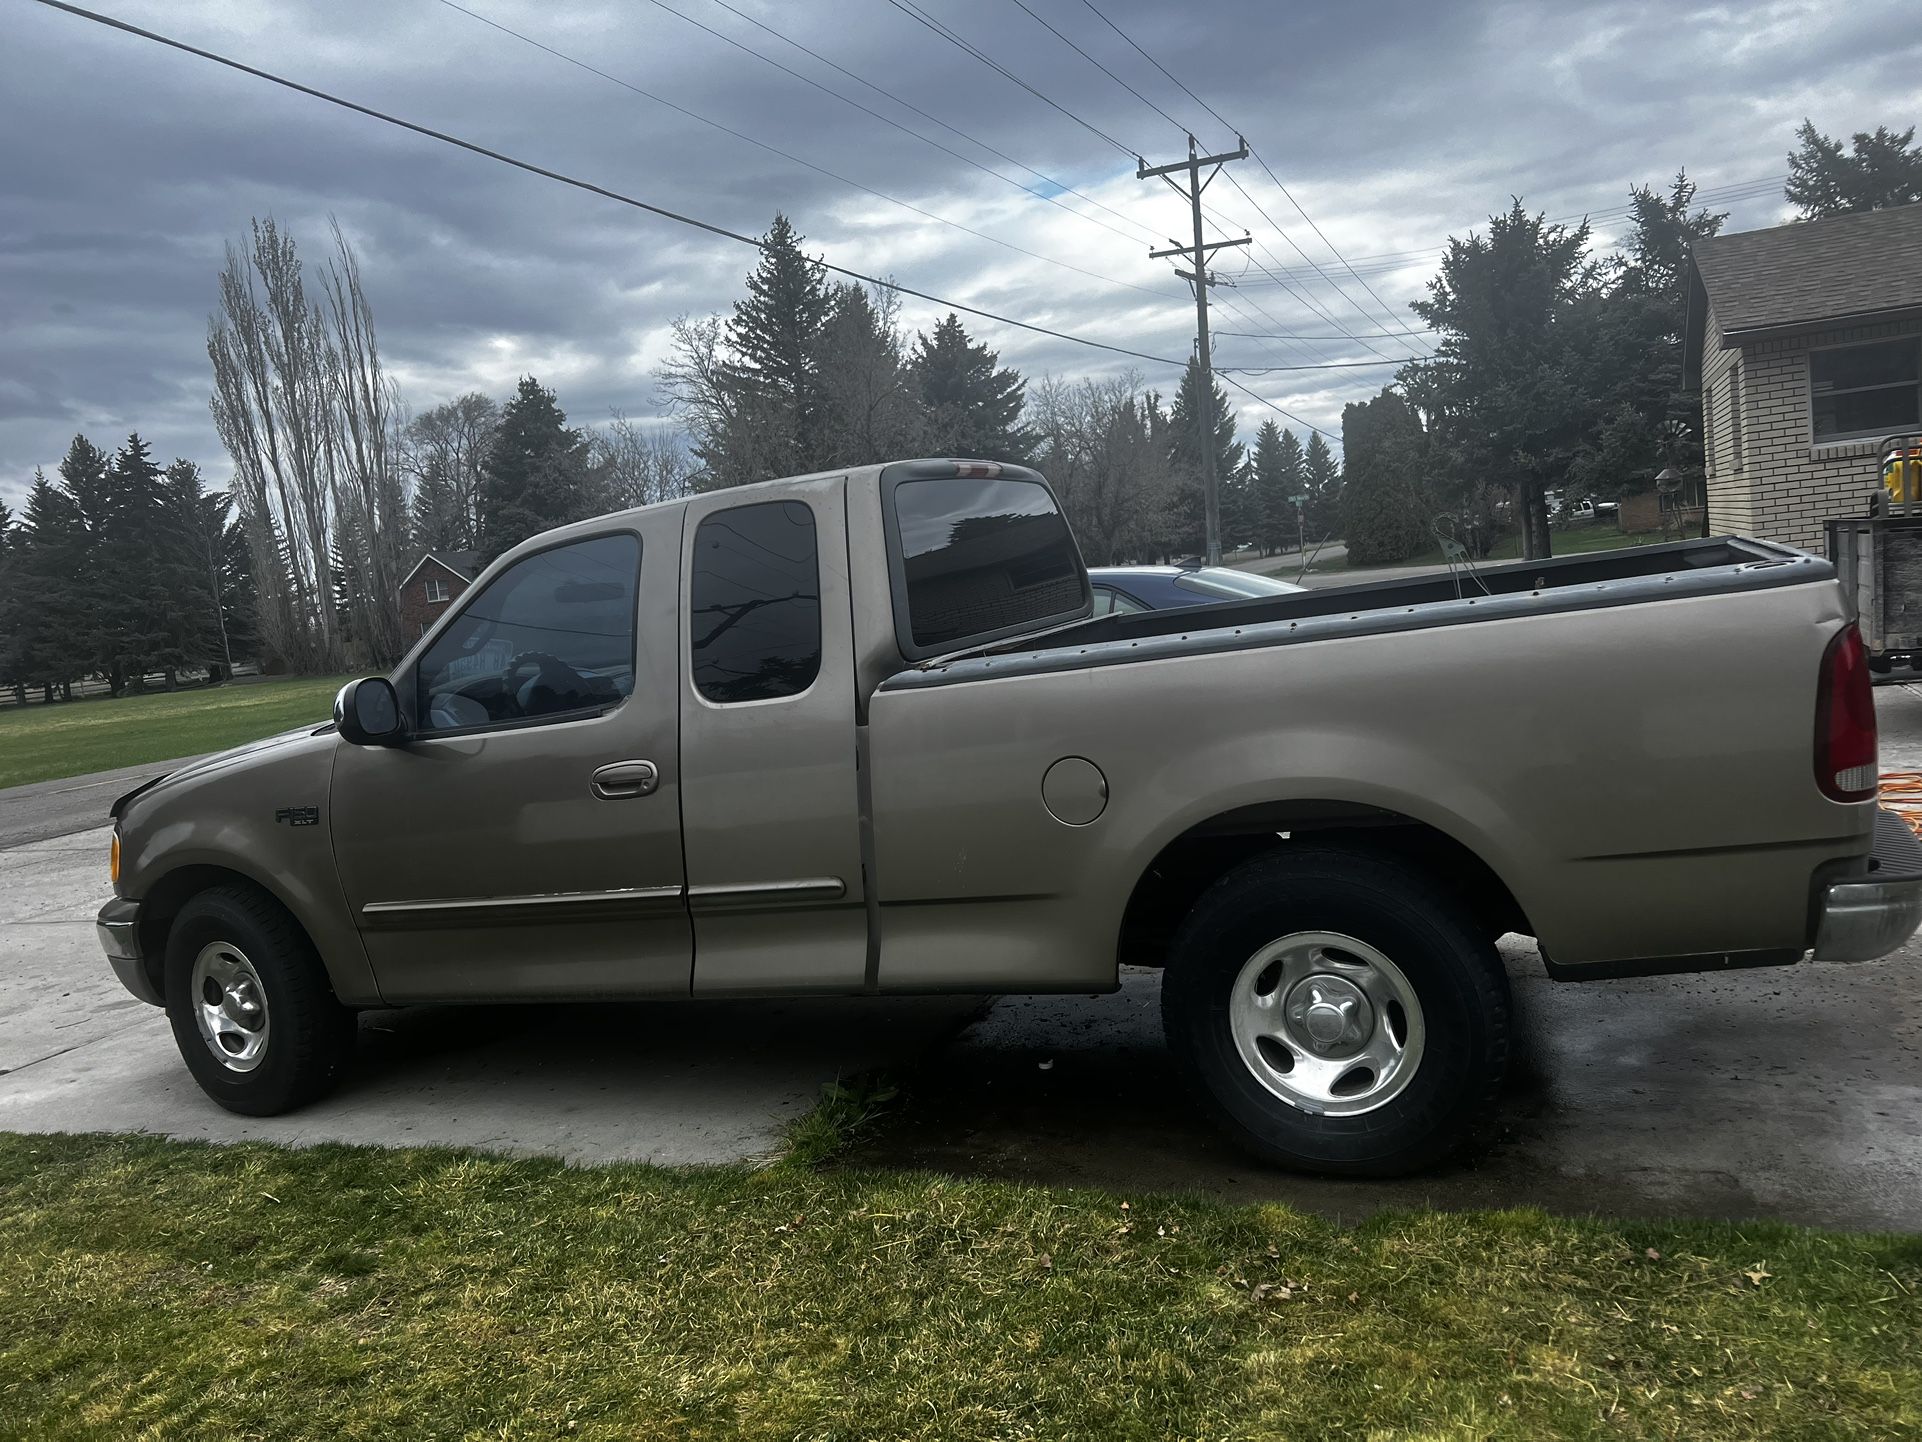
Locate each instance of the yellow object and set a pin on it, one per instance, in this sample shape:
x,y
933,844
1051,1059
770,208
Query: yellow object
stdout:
x,y
113,865
1902,474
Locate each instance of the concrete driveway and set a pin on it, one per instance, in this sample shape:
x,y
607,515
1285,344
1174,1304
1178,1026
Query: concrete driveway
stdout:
x,y
669,1082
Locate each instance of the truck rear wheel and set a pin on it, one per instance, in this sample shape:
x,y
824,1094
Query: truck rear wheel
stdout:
x,y
1338,1012
252,1011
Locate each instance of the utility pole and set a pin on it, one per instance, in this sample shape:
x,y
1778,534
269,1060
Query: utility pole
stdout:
x,y
1198,254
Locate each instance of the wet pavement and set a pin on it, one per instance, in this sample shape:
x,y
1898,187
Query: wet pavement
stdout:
x,y
1792,1093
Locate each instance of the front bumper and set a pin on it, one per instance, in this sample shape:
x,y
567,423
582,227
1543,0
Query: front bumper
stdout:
x,y
1868,915
118,928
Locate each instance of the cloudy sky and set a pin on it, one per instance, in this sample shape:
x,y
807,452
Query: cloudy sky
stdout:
x,y
1394,125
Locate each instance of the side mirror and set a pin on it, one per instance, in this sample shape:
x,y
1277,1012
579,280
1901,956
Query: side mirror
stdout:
x,y
367,712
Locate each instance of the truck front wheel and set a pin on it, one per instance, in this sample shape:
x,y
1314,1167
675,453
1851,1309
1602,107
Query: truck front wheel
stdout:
x,y
252,1011
1338,1012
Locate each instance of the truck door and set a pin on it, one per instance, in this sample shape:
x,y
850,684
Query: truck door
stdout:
x,y
526,841
770,802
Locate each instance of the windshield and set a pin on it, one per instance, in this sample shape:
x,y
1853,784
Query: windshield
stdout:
x,y
1232,584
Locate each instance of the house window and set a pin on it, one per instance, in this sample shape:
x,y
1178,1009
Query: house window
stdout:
x,y
1865,392
436,590
1708,421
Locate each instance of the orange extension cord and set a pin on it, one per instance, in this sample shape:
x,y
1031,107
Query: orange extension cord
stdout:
x,y
1902,794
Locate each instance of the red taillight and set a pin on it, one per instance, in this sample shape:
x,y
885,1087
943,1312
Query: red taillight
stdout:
x,y
1845,721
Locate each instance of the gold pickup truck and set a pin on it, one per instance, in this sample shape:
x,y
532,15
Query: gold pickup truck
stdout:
x,y
859,733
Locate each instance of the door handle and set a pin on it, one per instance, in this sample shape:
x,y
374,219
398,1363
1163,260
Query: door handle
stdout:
x,y
622,779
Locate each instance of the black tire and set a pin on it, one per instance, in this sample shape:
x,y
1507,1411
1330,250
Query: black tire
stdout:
x,y
309,1034
1442,951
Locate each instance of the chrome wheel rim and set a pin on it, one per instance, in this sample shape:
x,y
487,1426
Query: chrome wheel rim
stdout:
x,y
1327,1023
230,1006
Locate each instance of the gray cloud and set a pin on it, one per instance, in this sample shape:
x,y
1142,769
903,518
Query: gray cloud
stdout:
x,y
1394,124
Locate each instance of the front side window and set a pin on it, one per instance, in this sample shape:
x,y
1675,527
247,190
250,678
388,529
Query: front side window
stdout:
x,y
754,614
1865,392
551,636
984,558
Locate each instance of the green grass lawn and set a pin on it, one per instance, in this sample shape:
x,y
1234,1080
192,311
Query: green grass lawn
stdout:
x,y
161,1289
41,743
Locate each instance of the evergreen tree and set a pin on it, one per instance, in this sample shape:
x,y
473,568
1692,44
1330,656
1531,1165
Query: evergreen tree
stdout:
x,y
86,598
1880,170
537,472
45,616
1322,485
973,408
869,409
1383,514
132,586
1278,479
10,640
775,335
1198,420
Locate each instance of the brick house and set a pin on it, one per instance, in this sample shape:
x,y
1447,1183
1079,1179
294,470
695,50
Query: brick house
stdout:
x,y
1805,342
437,578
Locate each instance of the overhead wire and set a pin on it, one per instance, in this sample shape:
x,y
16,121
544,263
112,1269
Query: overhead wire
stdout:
x,y
889,120
917,14
792,157
1232,180
946,125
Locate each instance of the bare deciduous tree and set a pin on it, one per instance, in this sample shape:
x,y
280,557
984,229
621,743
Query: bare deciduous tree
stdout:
x,y
641,464
1101,447
445,449
311,421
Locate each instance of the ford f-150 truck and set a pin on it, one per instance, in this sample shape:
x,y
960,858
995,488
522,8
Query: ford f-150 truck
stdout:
x,y
859,733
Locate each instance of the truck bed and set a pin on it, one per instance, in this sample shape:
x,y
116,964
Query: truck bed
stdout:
x,y
1594,580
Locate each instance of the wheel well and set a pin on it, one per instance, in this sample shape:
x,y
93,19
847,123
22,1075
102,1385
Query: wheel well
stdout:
x,y
162,902
1193,861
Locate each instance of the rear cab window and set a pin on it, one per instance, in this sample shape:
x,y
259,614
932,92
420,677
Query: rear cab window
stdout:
x,y
978,559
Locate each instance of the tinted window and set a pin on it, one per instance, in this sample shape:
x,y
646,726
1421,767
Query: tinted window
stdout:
x,y
755,621
982,557
552,634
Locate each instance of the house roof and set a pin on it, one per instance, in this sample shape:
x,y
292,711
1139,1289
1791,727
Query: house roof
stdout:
x,y
464,564
1812,273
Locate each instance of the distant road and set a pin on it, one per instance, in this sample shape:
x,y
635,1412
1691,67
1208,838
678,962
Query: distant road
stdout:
x,y
46,809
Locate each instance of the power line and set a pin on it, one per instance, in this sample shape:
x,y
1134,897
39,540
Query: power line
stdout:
x,y
915,13
795,159
1323,238
1324,366
1102,68
1269,172
948,126
1736,191
1162,68
1231,381
849,100
586,185
1270,335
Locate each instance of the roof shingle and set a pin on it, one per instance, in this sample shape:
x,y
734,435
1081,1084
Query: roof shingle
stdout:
x,y
1815,271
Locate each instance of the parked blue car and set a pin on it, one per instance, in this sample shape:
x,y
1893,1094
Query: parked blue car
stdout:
x,y
1160,588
